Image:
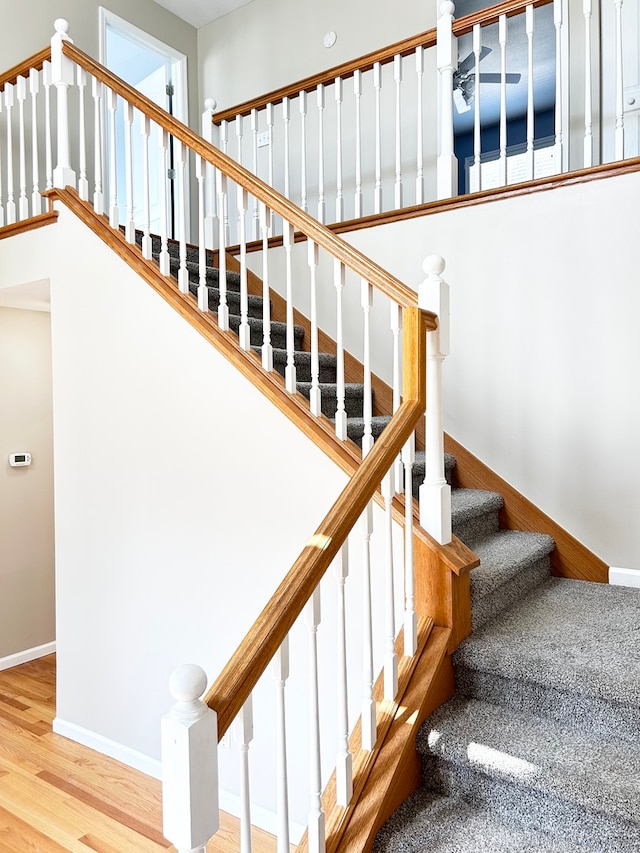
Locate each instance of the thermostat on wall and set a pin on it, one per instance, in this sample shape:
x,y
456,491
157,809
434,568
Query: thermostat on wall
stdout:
x,y
19,460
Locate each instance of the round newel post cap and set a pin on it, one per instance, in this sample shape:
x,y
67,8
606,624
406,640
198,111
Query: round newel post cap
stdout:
x,y
210,104
447,8
61,26
433,265
187,683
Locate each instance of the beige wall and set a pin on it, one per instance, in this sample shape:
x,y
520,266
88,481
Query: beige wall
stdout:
x,y
32,27
269,43
26,494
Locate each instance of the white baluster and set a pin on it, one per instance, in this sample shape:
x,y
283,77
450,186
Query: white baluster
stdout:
x,y
97,90
559,144
203,290
210,177
420,126
270,150
377,85
397,76
315,397
344,763
9,101
302,97
286,119
254,141
21,96
447,62
2,222
435,492
341,414
530,113
368,717
183,272
367,304
244,333
239,137
189,764
390,656
395,316
410,618
114,215
130,225
502,38
243,726
588,98
357,91
163,144
62,76
619,135
83,183
320,96
267,349
224,211
145,131
280,669
338,90
476,169
290,370
223,308
48,162
316,828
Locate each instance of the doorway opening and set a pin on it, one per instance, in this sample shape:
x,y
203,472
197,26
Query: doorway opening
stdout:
x,y
158,71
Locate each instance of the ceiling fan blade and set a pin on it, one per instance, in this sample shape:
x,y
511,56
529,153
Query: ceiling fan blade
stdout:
x,y
497,78
469,61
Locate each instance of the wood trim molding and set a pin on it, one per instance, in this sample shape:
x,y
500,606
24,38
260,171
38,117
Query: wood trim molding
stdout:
x,y
22,69
492,14
318,233
571,559
49,218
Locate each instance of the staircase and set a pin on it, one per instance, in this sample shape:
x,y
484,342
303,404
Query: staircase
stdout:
x,y
538,748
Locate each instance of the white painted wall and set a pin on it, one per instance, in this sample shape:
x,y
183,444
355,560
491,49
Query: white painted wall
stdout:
x,y
27,605
541,382
182,497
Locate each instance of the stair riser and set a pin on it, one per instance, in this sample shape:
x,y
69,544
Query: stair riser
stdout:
x,y
278,333
526,808
302,363
353,402
588,713
254,303
497,601
475,528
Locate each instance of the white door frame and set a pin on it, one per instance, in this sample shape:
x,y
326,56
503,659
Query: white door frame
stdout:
x,y
177,61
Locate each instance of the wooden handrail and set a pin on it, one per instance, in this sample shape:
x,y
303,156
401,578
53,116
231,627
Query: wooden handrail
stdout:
x,y
235,683
345,70
22,69
383,55
291,213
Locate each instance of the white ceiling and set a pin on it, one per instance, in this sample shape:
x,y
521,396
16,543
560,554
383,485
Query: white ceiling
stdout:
x,y
198,13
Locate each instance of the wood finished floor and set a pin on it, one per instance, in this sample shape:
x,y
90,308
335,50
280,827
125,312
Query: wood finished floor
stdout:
x,y
58,796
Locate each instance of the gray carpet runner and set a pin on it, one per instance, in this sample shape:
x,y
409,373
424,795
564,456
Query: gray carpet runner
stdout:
x,y
539,749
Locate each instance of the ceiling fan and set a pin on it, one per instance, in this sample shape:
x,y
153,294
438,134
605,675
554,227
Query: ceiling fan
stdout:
x,y
464,80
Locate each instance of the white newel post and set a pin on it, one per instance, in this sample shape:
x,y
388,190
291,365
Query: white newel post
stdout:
x,y
62,76
435,492
189,764
447,60
210,179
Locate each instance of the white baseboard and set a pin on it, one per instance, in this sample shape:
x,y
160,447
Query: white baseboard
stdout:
x,y
123,754
262,818
624,577
36,652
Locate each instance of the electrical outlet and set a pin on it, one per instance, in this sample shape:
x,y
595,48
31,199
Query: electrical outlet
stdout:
x,y
264,139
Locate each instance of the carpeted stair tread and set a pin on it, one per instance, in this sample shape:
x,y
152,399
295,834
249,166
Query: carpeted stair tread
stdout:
x,y
355,427
419,469
302,362
574,636
428,822
601,775
254,303
474,513
278,331
212,274
353,397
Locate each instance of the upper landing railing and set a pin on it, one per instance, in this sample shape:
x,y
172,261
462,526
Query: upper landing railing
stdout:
x,y
366,137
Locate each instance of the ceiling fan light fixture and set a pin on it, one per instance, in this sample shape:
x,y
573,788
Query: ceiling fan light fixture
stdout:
x,y
460,101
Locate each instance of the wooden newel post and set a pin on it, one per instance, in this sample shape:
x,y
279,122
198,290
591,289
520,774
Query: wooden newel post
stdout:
x,y
189,764
210,178
435,492
62,76
447,60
